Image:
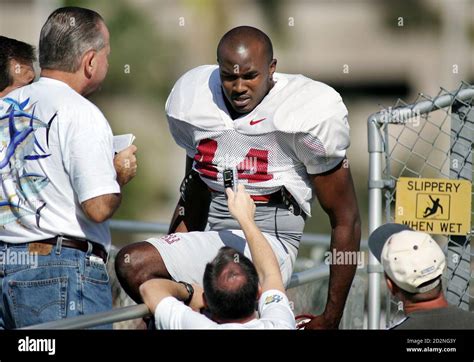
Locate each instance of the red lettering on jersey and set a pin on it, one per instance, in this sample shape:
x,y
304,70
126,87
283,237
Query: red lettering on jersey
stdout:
x,y
171,238
206,150
254,167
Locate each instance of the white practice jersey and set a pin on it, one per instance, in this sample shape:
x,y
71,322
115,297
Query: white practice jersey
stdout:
x,y
299,128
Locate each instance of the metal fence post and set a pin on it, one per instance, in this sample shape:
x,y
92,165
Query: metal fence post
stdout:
x,y
459,256
376,184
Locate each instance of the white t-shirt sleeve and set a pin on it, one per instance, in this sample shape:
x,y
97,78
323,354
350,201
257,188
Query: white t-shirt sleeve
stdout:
x,y
88,153
324,145
170,313
274,308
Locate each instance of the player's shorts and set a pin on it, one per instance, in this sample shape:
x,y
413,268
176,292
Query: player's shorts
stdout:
x,y
186,254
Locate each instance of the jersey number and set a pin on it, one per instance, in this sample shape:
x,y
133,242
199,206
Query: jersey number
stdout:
x,y
254,166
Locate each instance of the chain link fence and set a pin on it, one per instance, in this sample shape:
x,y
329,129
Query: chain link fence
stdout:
x,y
430,138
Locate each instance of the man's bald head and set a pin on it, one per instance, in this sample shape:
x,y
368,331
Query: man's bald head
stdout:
x,y
230,285
246,67
243,37
231,278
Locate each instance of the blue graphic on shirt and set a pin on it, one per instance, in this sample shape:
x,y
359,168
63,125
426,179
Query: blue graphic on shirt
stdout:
x,y
32,184
20,193
17,108
10,212
274,298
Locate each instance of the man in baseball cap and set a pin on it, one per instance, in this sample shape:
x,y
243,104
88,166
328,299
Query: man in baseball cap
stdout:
x,y
413,264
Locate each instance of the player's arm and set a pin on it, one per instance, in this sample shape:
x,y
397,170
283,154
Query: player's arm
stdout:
x,y
153,291
242,208
193,206
335,192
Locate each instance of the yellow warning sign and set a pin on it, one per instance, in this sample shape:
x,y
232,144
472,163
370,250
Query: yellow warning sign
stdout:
x,y
435,206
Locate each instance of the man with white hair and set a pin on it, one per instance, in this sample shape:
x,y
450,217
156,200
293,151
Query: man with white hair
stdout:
x,y
60,179
413,264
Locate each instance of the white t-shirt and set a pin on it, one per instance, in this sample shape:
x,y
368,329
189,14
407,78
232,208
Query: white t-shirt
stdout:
x,y
55,152
299,128
273,306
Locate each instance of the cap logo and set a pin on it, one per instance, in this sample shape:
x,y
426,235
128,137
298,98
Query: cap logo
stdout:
x,y
428,270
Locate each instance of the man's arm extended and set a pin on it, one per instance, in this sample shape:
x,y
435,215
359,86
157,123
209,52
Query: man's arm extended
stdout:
x,y
242,208
193,206
153,291
336,194
101,208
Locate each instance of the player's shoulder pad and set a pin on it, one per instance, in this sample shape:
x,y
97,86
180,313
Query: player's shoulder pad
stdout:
x,y
193,94
307,104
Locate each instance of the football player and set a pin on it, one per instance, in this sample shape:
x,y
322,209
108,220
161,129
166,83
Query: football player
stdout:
x,y
284,137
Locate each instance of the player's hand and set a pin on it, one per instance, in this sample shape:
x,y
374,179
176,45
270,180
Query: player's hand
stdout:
x,y
322,322
125,164
197,302
241,205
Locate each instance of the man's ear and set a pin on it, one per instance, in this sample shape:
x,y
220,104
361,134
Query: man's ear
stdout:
x,y
272,67
391,285
259,292
88,63
15,68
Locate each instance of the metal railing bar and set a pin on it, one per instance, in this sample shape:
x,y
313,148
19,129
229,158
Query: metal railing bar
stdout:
x,y
96,319
141,310
404,113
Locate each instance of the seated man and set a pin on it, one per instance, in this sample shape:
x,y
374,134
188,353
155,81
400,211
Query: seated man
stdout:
x,y
413,264
231,287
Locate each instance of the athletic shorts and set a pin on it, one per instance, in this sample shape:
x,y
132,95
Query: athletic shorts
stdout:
x,y
186,254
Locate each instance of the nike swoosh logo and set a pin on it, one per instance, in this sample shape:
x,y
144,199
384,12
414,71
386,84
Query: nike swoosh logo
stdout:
x,y
252,122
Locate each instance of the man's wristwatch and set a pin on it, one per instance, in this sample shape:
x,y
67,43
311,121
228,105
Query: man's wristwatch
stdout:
x,y
190,290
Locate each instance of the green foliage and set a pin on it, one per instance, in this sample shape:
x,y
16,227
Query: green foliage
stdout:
x,y
140,58
141,65
272,12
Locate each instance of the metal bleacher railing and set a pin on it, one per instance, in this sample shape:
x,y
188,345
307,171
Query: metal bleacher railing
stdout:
x,y
131,312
